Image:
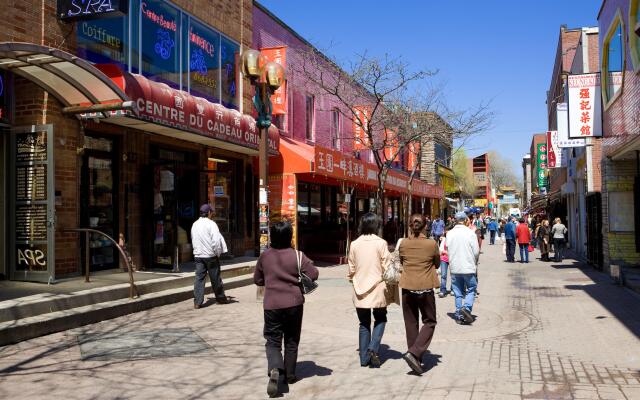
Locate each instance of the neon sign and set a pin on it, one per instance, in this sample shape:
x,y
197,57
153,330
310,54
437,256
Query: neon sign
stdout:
x,y
73,10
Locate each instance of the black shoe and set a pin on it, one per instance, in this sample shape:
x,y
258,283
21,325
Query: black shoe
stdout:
x,y
374,360
222,300
292,379
413,362
466,314
272,386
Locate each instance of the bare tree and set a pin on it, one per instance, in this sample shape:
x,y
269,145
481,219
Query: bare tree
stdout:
x,y
501,171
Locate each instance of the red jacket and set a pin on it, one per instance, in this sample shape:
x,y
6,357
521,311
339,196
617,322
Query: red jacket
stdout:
x,y
523,234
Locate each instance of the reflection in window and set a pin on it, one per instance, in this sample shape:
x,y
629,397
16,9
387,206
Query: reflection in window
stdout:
x,y
615,61
228,54
634,40
309,115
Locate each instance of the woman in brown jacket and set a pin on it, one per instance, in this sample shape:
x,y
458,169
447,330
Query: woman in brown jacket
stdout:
x,y
420,259
369,257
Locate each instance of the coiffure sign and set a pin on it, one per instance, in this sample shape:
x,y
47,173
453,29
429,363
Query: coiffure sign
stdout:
x,y
73,10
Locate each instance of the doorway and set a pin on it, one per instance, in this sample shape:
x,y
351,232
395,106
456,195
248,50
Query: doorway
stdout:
x,y
99,200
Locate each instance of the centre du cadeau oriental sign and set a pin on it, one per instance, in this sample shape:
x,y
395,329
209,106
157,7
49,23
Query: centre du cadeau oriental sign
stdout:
x,y
160,104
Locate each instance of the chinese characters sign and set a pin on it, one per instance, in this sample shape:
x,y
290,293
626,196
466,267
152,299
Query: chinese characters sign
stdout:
x,y
554,153
541,169
391,146
585,118
279,98
562,113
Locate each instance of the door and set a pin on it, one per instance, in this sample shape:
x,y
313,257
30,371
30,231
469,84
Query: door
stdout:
x,y
32,205
99,205
594,230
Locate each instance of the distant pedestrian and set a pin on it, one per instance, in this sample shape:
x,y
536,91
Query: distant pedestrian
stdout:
x,y
208,244
501,230
444,266
510,237
463,251
368,258
524,238
277,271
558,232
437,229
544,240
493,231
420,258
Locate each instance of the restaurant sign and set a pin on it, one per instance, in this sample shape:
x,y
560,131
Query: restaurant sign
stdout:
x,y
74,10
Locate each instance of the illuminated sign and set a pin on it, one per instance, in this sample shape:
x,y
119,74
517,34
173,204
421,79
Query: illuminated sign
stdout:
x,y
73,10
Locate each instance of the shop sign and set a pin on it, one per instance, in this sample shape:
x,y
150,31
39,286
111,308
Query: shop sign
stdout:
x,y
204,63
554,153
339,165
160,104
541,169
391,146
562,113
279,97
31,185
412,155
74,10
159,41
585,106
361,116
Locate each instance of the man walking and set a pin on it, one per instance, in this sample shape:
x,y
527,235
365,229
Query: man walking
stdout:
x,y
463,251
510,237
437,229
208,245
493,230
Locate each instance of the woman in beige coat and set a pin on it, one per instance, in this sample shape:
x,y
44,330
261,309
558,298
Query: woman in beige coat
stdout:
x,y
369,257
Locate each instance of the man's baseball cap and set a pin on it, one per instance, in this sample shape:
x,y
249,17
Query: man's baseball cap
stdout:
x,y
205,208
461,216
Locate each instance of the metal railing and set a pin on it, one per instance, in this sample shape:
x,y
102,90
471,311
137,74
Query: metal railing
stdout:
x,y
133,290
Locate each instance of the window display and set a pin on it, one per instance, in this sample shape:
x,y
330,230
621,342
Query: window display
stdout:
x,y
221,191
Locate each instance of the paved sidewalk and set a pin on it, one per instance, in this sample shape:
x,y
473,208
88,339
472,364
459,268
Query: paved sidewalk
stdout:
x,y
544,331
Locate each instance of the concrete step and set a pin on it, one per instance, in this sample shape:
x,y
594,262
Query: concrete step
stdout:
x,y
31,306
17,330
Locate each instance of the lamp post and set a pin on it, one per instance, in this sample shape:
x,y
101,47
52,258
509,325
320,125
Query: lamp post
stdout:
x,y
266,77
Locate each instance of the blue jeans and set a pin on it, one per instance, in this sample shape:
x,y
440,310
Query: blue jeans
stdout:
x,y
444,268
460,282
524,252
370,340
492,237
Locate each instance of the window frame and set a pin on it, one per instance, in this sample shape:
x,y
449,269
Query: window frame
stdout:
x,y
335,128
604,60
634,40
310,117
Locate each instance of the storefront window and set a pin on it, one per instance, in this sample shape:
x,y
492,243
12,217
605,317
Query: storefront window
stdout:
x,y
159,42
103,41
303,203
634,40
204,71
221,192
613,60
228,55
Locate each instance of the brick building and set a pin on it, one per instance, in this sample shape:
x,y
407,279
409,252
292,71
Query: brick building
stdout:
x,y
620,62
140,176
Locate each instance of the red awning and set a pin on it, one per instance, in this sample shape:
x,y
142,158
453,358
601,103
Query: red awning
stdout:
x,y
297,157
162,109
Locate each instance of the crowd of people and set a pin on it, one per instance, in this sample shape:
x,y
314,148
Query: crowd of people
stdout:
x,y
408,276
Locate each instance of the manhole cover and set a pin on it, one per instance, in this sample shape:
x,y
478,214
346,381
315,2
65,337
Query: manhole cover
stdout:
x,y
140,345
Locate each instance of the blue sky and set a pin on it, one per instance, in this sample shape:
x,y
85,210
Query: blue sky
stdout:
x,y
498,50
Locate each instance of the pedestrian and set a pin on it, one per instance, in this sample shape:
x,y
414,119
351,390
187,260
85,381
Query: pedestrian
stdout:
x,y
368,258
558,232
463,251
277,271
420,258
493,230
437,229
444,266
543,239
524,237
501,231
510,237
208,244
480,230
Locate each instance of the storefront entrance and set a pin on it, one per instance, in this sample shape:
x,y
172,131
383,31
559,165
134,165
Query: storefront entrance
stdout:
x,y
3,210
99,200
174,205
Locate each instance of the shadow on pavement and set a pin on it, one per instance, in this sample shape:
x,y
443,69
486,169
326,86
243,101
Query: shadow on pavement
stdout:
x,y
386,353
307,369
430,360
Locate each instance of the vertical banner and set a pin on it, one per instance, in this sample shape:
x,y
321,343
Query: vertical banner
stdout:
x,y
554,152
562,116
541,165
585,106
391,147
283,200
279,97
360,125
412,155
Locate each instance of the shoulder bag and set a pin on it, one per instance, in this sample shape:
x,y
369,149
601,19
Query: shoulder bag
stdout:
x,y
391,275
307,285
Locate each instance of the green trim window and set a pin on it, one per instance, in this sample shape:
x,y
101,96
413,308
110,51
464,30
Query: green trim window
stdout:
x,y
613,61
634,40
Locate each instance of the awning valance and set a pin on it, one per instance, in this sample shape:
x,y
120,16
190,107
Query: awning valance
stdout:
x,y
71,80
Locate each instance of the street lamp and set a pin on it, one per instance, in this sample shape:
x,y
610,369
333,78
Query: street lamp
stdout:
x,y
266,77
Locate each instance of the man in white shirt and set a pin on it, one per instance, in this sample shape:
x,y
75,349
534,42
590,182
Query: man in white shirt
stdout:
x,y
464,251
208,245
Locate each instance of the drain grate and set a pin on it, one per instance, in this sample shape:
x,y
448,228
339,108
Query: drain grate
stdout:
x,y
140,345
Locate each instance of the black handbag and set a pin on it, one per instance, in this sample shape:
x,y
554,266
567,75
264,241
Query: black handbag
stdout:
x,y
307,285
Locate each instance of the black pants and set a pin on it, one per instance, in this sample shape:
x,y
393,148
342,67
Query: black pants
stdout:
x,y
558,244
415,306
278,324
511,250
492,237
203,266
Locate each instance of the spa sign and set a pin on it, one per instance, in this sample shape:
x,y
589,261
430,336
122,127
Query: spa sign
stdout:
x,y
74,10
